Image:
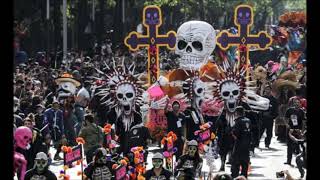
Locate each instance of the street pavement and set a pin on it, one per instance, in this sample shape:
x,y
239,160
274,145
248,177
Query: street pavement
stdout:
x,y
264,163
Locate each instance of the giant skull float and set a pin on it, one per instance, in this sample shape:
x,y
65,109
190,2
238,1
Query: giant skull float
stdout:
x,y
195,42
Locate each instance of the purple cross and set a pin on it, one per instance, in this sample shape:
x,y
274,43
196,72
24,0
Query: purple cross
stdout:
x,y
152,20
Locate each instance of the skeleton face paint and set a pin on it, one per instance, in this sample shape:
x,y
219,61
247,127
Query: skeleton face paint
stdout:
x,y
192,150
157,163
230,92
102,160
126,94
195,42
40,164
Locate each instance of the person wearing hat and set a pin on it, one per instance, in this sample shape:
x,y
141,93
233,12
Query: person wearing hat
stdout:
x,y
93,136
53,120
243,144
100,167
40,169
158,171
268,116
189,165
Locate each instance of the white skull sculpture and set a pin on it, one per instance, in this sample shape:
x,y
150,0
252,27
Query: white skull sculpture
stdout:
x,y
195,42
199,88
126,95
230,93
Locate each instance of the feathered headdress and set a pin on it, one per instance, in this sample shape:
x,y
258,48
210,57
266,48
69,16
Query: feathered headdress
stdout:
x,y
118,76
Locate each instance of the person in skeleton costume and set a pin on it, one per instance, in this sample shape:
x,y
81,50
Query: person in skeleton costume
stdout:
x,y
22,137
195,89
40,170
157,172
234,91
189,165
123,93
99,169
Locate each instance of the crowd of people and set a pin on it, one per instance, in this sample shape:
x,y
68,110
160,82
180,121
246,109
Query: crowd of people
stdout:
x,y
57,111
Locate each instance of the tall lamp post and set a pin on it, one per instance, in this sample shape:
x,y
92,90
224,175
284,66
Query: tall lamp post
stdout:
x,y
65,37
48,30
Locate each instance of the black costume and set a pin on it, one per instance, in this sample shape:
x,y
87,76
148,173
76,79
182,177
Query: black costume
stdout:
x,y
295,116
46,175
101,171
267,119
190,166
124,136
243,143
225,139
164,175
192,124
176,124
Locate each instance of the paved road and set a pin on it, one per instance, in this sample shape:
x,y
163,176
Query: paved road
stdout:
x,y
265,163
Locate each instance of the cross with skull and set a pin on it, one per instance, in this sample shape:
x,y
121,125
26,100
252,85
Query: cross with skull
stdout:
x,y
243,18
152,20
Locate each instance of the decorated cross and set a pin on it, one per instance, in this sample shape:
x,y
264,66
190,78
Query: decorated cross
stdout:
x,y
243,19
152,20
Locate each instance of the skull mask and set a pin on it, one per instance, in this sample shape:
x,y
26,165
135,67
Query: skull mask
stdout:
x,y
192,150
41,161
66,89
230,92
198,91
126,96
23,136
195,42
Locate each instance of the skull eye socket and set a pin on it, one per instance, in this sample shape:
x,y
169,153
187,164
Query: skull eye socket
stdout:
x,y
247,14
240,14
182,44
235,92
155,15
25,137
197,45
226,93
148,15
199,90
120,95
129,95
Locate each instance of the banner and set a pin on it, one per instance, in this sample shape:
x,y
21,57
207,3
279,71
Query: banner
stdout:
x,y
74,155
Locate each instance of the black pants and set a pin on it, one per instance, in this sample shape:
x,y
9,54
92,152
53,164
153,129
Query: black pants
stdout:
x,y
267,125
291,147
90,153
300,163
282,131
235,167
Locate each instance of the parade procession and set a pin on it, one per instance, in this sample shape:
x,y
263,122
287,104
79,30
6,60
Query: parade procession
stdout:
x,y
160,90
